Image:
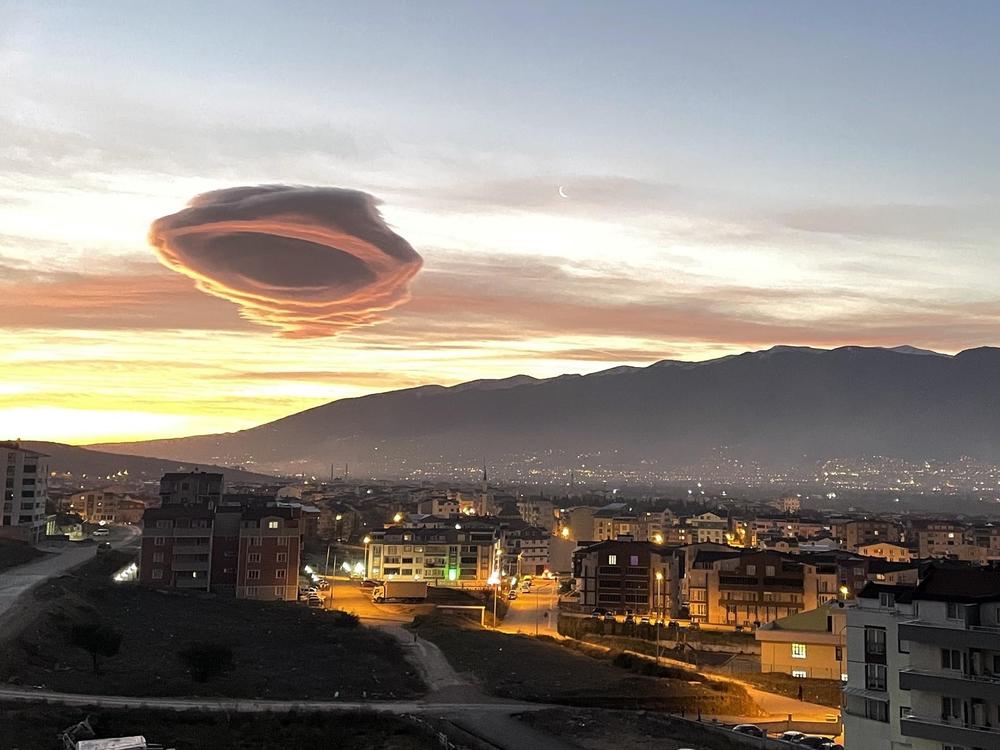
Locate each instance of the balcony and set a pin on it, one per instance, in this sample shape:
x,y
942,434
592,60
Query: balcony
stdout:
x,y
192,583
946,682
927,728
190,565
191,549
938,634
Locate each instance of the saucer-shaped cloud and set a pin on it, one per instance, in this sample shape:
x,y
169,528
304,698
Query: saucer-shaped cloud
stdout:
x,y
310,261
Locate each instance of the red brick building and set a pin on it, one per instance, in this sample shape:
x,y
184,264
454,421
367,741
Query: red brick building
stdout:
x,y
268,556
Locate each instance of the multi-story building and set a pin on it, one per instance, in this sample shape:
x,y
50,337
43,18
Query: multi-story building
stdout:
x,y
529,549
454,554
537,512
857,533
618,519
708,528
924,663
22,505
105,506
577,524
443,507
986,536
936,538
251,551
191,488
748,588
625,574
267,562
807,644
886,551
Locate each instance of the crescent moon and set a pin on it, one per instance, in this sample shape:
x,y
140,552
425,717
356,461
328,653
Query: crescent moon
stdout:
x,y
562,193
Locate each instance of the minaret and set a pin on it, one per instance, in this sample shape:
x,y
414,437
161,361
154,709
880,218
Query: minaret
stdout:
x,y
572,483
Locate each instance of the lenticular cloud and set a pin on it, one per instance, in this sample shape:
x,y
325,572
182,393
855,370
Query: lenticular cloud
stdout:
x,y
309,261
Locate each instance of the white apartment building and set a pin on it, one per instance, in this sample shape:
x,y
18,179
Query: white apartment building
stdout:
x,y
924,664
22,508
456,554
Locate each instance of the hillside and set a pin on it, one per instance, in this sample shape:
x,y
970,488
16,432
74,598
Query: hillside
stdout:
x,y
782,406
79,461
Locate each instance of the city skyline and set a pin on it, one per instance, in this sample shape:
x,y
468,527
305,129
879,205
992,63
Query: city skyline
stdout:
x,y
586,188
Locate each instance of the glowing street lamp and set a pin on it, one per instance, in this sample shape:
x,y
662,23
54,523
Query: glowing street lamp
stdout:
x,y
659,597
397,518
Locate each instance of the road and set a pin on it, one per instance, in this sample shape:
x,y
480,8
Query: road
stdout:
x,y
535,612
65,556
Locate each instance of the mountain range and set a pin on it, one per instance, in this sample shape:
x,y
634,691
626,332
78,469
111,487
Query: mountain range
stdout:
x,y
784,406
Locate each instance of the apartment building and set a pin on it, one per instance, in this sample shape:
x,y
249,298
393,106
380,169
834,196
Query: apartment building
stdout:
x,y
708,528
577,523
441,506
267,561
105,506
527,549
885,551
251,552
937,538
618,519
462,555
625,574
748,588
857,533
924,667
807,644
538,512
191,488
22,505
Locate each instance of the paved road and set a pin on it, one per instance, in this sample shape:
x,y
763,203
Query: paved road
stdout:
x,y
535,612
65,556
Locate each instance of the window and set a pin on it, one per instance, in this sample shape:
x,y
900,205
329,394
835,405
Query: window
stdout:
x,y
157,575
875,677
253,575
253,557
633,560
769,571
951,708
612,559
279,591
876,710
255,541
273,524
751,570
838,653
280,573
282,541
281,557
159,541
955,611
904,646
799,673
874,641
798,651
951,658
886,599
157,557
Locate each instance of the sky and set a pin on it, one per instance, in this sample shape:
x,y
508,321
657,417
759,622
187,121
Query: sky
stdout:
x,y
581,185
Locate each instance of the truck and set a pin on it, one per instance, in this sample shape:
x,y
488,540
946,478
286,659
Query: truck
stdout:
x,y
400,591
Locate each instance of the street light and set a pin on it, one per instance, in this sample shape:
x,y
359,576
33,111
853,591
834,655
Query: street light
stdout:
x,y
494,581
659,597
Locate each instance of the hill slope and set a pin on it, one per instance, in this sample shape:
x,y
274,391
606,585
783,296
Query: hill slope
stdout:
x,y
79,461
786,405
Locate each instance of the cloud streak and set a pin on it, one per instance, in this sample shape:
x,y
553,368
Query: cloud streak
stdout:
x,y
308,261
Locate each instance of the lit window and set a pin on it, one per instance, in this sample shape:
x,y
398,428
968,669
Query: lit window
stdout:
x,y
798,651
272,524
612,559
799,673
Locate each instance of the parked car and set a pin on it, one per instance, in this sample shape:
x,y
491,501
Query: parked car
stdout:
x,y
370,583
791,736
630,618
512,594
609,617
314,601
816,742
102,531
598,612
644,620
751,729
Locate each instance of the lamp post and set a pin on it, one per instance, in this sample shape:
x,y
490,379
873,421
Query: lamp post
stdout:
x,y
659,601
494,581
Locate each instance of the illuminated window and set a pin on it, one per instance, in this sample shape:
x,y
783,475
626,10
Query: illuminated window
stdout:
x,y
798,651
799,673
272,524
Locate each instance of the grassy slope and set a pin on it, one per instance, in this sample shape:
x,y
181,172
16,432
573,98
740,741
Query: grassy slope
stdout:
x,y
14,553
281,650
35,727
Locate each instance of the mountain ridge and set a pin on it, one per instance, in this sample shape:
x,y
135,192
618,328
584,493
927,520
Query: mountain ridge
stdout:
x,y
778,405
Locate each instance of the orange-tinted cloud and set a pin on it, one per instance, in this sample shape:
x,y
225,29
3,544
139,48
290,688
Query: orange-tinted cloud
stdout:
x,y
308,261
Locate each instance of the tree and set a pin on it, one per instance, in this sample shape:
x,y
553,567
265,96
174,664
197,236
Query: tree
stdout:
x,y
96,638
207,660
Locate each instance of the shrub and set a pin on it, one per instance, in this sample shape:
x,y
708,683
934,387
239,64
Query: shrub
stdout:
x,y
207,660
96,638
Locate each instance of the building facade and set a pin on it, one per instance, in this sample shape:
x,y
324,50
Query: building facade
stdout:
x,y
807,644
623,574
22,508
451,554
